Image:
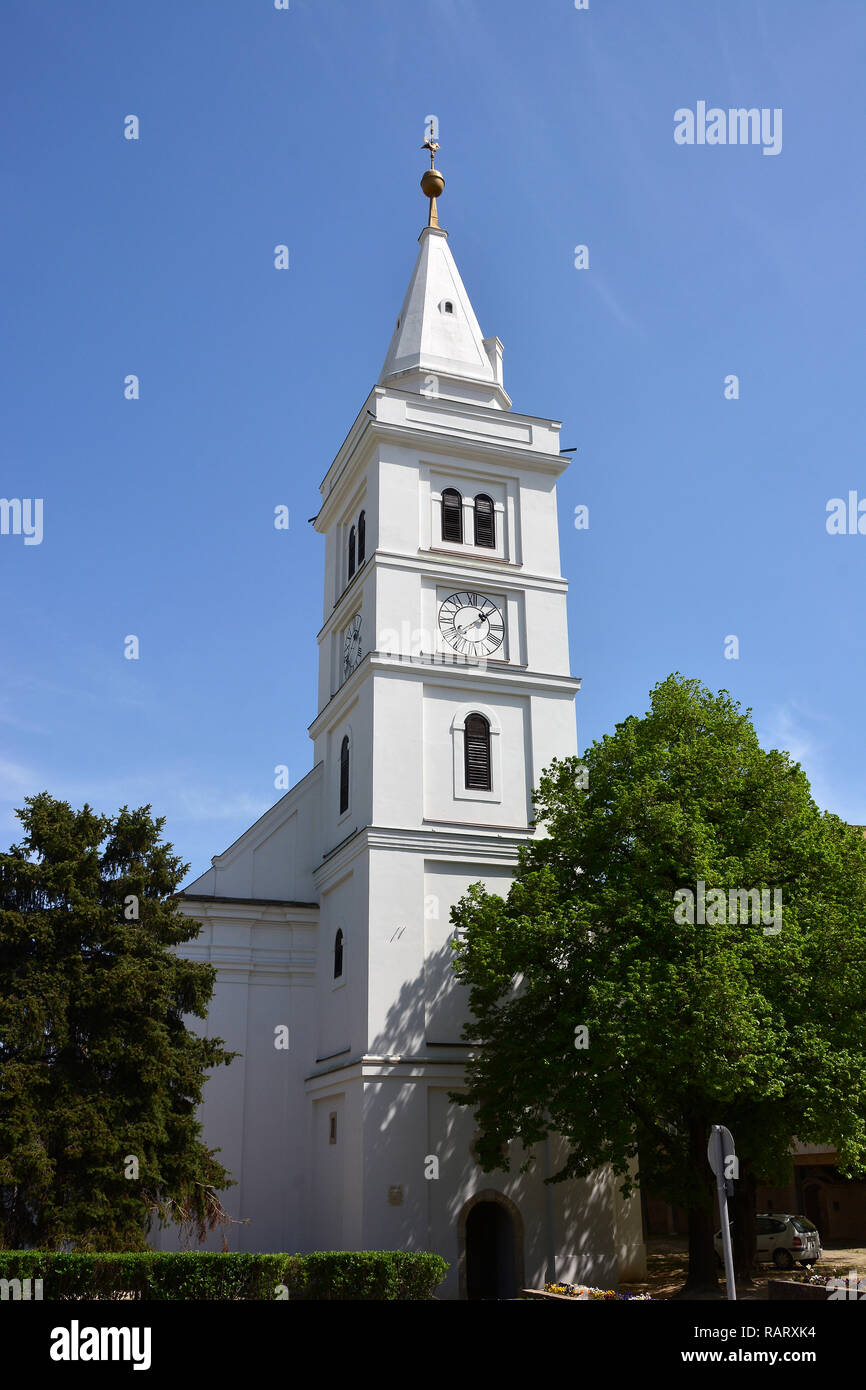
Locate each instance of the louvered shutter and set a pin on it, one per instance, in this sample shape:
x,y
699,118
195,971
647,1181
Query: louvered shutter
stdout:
x,y
485,532
452,515
476,740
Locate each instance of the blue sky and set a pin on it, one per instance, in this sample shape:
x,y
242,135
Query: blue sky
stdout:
x,y
303,127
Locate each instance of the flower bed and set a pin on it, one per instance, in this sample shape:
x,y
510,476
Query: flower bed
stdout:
x,y
587,1292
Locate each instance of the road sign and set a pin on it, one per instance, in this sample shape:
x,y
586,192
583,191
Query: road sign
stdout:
x,y
728,1150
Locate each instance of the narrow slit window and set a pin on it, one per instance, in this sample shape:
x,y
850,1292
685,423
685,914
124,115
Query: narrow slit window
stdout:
x,y
362,537
351,552
476,744
338,954
485,524
452,515
344,775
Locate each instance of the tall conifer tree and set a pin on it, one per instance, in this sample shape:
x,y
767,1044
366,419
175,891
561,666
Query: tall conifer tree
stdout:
x,y
100,1076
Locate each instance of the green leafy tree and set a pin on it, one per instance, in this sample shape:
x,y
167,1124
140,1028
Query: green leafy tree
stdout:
x,y
99,1076
689,1023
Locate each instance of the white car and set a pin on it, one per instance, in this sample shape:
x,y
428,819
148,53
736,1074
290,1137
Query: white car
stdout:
x,y
783,1239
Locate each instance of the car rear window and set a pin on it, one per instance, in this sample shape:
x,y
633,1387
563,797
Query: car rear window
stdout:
x,y
803,1224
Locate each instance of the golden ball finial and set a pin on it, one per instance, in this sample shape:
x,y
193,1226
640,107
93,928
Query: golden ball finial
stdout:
x,y
432,183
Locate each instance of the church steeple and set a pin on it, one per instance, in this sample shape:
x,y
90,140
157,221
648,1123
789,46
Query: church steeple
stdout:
x,y
437,348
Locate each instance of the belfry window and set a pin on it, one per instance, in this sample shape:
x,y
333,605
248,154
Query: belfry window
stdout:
x,y
338,954
344,775
351,552
452,515
485,525
476,752
362,537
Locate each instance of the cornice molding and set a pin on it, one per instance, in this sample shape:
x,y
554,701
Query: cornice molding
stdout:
x,y
249,902
361,1066
439,669
368,429
513,573
338,859
498,844
247,965
441,672
451,843
249,915
340,701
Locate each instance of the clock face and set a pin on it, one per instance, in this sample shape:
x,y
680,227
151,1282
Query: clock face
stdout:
x,y
352,646
471,623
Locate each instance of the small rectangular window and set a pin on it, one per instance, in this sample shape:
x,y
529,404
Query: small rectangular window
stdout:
x,y
332,1127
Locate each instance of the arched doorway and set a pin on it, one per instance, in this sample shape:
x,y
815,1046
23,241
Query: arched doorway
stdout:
x,y
491,1248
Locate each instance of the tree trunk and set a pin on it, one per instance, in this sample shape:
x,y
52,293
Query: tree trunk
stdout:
x,y
741,1208
703,1269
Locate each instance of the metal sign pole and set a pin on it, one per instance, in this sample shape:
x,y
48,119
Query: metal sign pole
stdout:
x,y
724,1185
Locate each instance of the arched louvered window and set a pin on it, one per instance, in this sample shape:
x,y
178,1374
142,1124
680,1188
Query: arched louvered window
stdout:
x,y
362,538
351,552
476,752
338,954
485,526
344,775
452,515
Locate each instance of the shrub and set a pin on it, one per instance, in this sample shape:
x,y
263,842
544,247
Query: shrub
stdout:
x,y
370,1274
200,1275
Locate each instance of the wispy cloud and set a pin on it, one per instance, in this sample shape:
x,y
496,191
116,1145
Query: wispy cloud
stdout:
x,y
611,302
24,725
16,779
799,732
785,729
174,793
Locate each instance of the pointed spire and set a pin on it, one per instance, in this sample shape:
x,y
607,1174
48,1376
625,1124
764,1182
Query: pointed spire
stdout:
x,y
437,348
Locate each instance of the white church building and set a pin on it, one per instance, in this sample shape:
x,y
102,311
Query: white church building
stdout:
x,y
444,690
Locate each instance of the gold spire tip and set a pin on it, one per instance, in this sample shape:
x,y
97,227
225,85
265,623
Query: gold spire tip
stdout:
x,y
432,182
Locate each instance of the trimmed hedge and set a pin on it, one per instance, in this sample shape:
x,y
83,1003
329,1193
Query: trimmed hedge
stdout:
x,y
200,1275
369,1274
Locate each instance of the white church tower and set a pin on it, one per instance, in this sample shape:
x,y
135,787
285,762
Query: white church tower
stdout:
x,y
444,690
